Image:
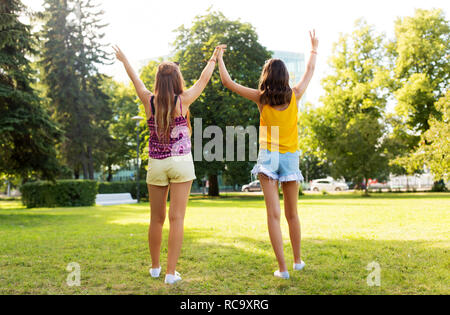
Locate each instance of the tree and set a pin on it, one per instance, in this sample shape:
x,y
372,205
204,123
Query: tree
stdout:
x,y
217,106
435,144
71,53
121,142
27,134
420,52
100,109
313,160
349,127
421,72
434,148
313,168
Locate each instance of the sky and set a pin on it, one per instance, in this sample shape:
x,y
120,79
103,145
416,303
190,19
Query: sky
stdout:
x,y
144,28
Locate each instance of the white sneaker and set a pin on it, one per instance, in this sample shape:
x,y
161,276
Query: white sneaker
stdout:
x,y
155,272
172,279
282,275
299,266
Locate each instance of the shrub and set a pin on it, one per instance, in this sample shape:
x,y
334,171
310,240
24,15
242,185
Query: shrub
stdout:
x,y
64,193
124,187
439,187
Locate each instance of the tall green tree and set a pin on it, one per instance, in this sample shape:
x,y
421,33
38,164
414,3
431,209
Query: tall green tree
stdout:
x,y
349,127
435,143
58,74
433,150
421,71
420,51
91,53
121,142
27,134
72,51
217,106
313,160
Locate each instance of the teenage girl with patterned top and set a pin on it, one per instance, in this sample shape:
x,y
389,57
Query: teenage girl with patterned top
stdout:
x,y
170,163
278,159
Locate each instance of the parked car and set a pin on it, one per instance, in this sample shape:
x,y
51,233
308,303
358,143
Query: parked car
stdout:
x,y
327,184
253,186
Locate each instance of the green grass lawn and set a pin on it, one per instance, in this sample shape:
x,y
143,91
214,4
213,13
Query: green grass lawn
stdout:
x,y
227,248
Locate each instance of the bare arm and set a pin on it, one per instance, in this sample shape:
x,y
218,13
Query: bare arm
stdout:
x,y
189,96
142,92
248,93
301,87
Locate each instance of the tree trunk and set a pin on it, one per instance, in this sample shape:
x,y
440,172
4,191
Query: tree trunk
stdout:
x,y
213,186
84,165
90,163
110,174
366,187
76,173
306,171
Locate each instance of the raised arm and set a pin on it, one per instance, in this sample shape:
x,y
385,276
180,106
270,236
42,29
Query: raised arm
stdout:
x,y
301,87
189,96
142,92
248,93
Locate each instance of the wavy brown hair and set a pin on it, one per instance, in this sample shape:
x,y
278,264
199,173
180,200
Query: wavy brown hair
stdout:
x,y
274,84
169,82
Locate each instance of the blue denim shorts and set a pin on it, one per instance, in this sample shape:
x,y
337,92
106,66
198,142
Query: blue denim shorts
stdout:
x,y
283,167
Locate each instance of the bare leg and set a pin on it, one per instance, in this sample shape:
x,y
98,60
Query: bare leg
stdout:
x,y
290,192
158,201
179,195
272,199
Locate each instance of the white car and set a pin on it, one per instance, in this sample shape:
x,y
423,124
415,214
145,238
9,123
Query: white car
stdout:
x,y
327,184
253,186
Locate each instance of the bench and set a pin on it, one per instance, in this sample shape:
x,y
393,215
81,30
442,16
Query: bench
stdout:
x,y
114,199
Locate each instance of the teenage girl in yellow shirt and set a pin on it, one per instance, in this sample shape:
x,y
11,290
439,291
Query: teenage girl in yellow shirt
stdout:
x,y
278,159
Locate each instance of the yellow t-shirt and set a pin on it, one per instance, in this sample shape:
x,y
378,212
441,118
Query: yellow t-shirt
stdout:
x,y
279,129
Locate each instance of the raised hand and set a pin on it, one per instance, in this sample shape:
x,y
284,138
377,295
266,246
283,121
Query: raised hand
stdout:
x,y
119,54
222,48
218,52
300,88
314,40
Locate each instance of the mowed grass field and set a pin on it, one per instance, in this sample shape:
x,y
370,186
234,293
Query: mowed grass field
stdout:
x,y
227,249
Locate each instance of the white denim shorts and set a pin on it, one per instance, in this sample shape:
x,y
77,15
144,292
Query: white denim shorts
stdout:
x,y
283,167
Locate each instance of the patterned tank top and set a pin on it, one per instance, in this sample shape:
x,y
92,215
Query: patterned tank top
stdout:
x,y
179,143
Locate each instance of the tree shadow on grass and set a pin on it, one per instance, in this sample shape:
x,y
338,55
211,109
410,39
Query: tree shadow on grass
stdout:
x,y
333,266
61,216
207,201
374,196
114,259
34,220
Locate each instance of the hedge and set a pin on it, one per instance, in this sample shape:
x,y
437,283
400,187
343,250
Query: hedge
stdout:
x,y
124,187
64,193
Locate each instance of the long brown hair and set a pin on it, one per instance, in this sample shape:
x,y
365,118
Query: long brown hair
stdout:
x,y
169,82
274,83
